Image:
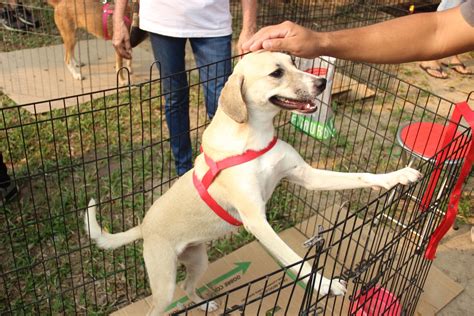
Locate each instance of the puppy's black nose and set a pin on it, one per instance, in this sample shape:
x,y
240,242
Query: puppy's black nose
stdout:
x,y
320,84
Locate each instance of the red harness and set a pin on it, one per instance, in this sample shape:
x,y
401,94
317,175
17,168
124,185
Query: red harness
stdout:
x,y
106,11
214,170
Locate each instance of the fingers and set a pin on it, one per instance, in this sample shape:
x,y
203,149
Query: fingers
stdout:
x,y
244,37
275,45
265,34
285,37
121,42
123,49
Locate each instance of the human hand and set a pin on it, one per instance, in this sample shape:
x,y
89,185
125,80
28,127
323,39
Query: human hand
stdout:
x,y
121,40
287,36
244,37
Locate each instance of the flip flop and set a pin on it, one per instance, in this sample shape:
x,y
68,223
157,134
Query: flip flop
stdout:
x,y
454,67
438,69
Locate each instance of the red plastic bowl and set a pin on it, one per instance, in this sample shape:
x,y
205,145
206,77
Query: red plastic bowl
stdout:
x,y
376,301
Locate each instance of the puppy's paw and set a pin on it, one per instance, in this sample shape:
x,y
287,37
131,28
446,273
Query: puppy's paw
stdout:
x,y
403,176
407,175
77,75
210,306
336,287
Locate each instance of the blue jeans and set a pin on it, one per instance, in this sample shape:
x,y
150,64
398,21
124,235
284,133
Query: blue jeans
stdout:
x,y
170,54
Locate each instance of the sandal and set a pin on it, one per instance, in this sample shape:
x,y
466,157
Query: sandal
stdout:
x,y
427,69
456,69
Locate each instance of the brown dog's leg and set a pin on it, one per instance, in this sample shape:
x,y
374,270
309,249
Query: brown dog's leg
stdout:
x,y
128,64
122,73
67,30
160,260
195,260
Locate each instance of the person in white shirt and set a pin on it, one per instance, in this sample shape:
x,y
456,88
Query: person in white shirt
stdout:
x,y
207,25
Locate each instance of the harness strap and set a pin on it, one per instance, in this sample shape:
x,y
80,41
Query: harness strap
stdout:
x,y
214,169
106,11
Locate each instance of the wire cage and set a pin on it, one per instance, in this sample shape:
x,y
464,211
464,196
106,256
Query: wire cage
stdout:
x,y
32,64
113,145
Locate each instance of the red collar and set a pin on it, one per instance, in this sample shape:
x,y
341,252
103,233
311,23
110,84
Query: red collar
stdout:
x,y
106,11
214,170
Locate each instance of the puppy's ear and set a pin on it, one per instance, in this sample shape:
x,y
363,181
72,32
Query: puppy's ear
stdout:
x,y
231,100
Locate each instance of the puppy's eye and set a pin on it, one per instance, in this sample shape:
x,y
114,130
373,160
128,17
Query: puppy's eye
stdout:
x,y
277,73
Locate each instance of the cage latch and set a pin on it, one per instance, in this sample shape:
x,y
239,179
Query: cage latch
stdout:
x,y
317,240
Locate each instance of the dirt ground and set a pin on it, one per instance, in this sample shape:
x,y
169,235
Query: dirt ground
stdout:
x,y
455,256
456,88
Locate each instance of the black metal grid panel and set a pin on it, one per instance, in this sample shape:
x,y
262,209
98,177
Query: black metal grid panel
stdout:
x,y
371,240
115,148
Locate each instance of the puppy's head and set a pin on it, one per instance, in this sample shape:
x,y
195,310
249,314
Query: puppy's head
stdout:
x,y
265,82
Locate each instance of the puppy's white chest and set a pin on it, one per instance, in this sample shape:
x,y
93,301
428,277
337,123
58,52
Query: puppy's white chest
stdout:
x,y
269,175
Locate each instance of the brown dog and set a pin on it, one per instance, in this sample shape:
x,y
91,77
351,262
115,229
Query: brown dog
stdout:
x,y
90,15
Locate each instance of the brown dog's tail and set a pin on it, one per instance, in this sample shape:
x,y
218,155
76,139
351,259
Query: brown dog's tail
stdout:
x,y
103,239
54,2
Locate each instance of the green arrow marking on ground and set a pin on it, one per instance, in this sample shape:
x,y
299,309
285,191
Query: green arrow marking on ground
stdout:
x,y
239,267
290,274
293,277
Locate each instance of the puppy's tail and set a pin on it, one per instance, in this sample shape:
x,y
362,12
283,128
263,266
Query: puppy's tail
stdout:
x,y
104,239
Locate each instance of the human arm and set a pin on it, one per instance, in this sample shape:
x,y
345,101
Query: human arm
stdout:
x,y
249,22
121,36
416,37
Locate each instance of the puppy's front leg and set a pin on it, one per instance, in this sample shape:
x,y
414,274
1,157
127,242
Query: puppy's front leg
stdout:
x,y
255,222
316,179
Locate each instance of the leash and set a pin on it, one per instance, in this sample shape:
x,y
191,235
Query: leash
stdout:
x,y
215,168
106,12
461,110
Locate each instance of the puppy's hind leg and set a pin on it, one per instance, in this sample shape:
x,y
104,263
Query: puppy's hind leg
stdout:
x,y
195,260
160,260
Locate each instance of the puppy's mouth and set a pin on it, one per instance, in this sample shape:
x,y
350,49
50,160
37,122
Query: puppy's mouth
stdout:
x,y
302,106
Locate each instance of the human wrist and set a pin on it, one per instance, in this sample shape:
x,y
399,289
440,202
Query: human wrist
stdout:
x,y
249,28
321,43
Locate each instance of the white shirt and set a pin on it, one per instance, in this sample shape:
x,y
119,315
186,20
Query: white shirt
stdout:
x,y
186,18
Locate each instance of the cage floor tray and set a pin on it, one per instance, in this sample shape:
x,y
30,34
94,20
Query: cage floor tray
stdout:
x,y
38,74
